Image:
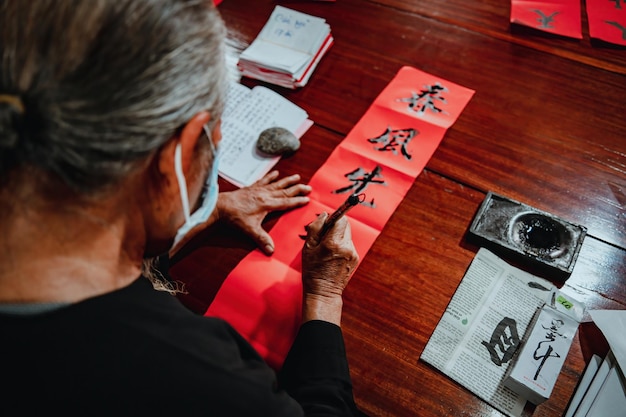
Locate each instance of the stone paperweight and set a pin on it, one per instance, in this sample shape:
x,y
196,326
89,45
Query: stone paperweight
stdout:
x,y
277,141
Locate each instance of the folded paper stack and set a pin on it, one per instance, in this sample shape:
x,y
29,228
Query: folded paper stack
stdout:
x,y
287,50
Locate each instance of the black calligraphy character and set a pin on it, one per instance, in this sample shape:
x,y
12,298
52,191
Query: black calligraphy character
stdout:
x,y
543,357
617,25
550,337
391,139
618,4
545,22
420,102
505,338
360,180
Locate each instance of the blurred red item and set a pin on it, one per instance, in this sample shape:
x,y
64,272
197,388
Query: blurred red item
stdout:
x,y
607,21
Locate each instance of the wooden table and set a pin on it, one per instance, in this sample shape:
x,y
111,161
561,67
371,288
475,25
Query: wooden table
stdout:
x,y
546,126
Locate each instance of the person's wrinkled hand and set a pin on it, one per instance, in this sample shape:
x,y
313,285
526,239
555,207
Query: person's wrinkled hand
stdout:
x,y
247,207
327,264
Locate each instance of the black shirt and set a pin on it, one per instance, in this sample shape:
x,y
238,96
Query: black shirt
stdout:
x,y
138,351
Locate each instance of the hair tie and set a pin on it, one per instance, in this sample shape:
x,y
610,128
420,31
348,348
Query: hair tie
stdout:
x,y
13,101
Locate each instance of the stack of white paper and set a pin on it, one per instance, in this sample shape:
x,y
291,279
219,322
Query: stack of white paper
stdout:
x,y
602,389
287,49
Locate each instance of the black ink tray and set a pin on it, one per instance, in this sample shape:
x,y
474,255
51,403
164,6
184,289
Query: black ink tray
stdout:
x,y
541,240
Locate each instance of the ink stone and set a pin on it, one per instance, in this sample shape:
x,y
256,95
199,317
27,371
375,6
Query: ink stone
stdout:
x,y
540,240
541,234
277,141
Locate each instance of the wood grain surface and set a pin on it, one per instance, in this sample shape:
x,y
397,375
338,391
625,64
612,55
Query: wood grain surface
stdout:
x,y
546,126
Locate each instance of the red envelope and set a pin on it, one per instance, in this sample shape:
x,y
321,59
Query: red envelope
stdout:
x,y
607,20
560,17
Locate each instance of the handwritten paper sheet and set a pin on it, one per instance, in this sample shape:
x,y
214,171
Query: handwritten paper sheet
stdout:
x,y
246,114
381,157
560,17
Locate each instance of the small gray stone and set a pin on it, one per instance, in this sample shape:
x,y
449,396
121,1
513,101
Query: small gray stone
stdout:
x,y
277,141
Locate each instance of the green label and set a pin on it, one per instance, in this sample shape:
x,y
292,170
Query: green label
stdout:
x,y
561,300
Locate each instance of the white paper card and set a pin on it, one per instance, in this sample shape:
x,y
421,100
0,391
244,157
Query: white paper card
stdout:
x,y
612,324
294,30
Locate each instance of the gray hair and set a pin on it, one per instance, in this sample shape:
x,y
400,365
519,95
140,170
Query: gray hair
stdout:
x,y
103,83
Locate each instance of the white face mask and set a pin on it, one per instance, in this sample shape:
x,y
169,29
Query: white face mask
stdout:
x,y
209,192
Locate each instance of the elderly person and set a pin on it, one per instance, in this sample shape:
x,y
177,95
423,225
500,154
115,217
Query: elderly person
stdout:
x,y
109,138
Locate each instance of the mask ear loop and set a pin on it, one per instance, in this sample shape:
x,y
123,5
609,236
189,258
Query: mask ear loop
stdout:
x,y
210,138
180,176
214,149
182,183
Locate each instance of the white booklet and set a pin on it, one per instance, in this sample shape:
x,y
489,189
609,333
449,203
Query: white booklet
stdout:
x,y
287,49
288,40
247,113
482,326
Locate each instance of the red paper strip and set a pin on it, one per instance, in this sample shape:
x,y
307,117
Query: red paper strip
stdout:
x,y
381,157
607,20
262,299
425,97
561,17
346,172
262,296
395,140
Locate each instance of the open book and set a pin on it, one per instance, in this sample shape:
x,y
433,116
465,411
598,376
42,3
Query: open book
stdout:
x,y
478,335
247,113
